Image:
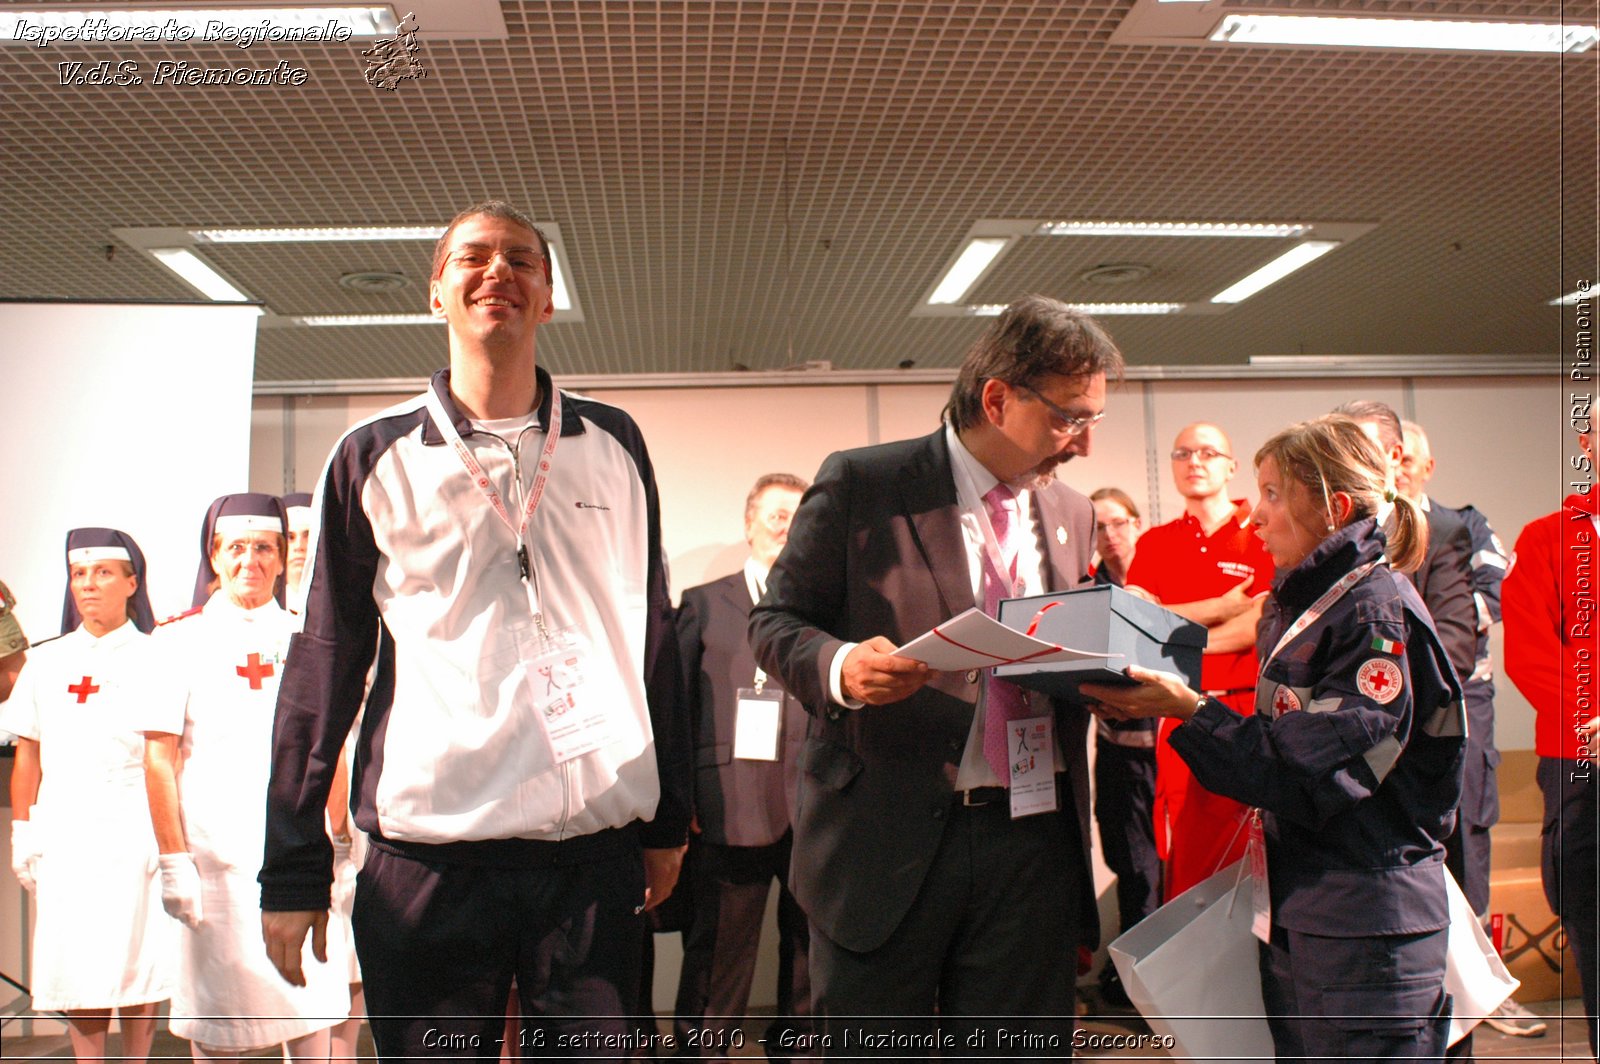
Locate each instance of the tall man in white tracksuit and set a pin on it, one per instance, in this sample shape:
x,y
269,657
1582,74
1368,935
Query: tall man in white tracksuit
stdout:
x,y
495,546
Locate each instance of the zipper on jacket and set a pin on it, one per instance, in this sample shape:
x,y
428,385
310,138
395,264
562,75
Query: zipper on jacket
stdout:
x,y
538,616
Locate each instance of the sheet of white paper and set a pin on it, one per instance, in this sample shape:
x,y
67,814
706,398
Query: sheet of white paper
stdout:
x,y
974,640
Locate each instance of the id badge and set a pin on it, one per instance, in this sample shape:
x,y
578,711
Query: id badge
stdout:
x,y
757,724
1260,889
573,723
1032,744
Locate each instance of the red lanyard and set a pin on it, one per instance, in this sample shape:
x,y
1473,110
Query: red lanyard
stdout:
x,y
447,428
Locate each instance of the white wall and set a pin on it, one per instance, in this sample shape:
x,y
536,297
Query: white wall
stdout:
x,y
709,444
130,416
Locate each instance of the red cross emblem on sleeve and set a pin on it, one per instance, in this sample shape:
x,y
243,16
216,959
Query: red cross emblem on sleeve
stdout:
x,y
83,689
1284,701
254,670
1379,679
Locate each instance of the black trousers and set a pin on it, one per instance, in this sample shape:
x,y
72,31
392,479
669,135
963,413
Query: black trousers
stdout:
x,y
1569,868
730,889
440,944
1124,807
990,943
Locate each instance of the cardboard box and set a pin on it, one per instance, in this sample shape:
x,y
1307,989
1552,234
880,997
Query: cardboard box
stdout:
x,y
1521,801
1514,844
1104,620
1529,937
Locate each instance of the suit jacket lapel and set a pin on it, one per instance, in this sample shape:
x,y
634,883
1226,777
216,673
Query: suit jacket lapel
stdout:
x,y
736,592
928,493
1051,531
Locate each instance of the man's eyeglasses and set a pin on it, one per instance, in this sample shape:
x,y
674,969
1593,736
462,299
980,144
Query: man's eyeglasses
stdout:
x,y
1117,524
1205,454
1063,421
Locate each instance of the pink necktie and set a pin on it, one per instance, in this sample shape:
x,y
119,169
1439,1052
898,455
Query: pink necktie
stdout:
x,y
1004,702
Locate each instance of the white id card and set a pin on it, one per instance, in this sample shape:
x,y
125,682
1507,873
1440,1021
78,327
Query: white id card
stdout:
x,y
1032,746
573,724
757,724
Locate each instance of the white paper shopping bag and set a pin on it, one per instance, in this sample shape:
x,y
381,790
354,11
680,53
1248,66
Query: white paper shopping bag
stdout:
x,y
1193,971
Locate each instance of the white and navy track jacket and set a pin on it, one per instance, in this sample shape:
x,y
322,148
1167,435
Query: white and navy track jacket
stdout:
x,y
411,566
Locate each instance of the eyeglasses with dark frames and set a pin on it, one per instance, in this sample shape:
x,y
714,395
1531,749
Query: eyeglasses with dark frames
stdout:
x,y
1070,424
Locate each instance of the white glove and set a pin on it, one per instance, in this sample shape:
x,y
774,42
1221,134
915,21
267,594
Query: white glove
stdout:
x,y
180,888
26,849
344,877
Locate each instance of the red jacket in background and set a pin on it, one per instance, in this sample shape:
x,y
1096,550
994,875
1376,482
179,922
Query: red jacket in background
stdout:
x,y
1552,626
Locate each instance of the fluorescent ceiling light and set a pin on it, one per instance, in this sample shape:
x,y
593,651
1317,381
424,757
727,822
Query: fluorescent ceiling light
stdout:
x,y
199,275
367,319
1301,254
1574,296
115,25
992,310
1247,229
315,235
560,296
1350,32
975,258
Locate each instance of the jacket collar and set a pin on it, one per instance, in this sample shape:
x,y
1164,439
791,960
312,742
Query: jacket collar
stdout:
x,y
1353,545
571,421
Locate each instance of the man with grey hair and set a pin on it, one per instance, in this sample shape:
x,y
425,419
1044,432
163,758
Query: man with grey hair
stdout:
x,y
747,734
931,888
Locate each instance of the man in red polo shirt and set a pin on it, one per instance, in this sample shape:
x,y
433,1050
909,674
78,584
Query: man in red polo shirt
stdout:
x,y
1207,566
1552,649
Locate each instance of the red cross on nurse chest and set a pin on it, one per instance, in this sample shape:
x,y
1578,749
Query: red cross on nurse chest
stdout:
x,y
83,689
255,670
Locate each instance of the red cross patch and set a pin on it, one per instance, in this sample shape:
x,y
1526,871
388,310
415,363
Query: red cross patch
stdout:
x,y
83,689
255,670
1379,680
1284,701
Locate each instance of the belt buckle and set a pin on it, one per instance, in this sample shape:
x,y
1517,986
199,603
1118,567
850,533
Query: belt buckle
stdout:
x,y
970,799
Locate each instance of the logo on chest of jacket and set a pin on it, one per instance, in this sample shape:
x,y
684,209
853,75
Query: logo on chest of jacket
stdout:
x,y
591,506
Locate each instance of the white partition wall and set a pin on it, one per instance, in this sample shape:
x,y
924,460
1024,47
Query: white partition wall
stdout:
x,y
1499,442
710,441
132,416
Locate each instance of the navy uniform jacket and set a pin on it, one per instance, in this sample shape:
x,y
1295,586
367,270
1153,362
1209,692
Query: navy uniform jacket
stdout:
x,y
1358,775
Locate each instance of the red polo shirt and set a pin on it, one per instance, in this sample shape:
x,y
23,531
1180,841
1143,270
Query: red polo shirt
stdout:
x,y
1177,563
1198,832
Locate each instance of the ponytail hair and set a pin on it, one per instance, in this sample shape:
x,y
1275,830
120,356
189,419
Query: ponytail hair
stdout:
x,y
1331,454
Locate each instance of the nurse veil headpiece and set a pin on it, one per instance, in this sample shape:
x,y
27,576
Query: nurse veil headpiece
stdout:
x,y
107,544
297,509
248,511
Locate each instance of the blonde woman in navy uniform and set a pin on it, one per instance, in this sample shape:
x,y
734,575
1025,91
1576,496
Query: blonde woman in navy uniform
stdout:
x,y
1353,759
81,841
207,756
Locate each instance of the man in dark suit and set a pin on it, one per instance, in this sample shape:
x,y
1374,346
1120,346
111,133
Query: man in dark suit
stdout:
x,y
1444,581
747,736
925,892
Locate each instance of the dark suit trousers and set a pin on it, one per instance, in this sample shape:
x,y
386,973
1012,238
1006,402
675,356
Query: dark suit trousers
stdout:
x,y
990,943
1124,807
719,952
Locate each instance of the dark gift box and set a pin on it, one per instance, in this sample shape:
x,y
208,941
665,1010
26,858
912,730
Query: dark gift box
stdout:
x,y
1102,620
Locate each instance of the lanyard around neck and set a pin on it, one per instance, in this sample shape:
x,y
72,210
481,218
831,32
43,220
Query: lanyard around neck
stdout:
x,y
1318,608
447,428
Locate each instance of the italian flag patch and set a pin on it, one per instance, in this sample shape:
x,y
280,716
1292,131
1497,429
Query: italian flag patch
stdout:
x,y
1385,646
